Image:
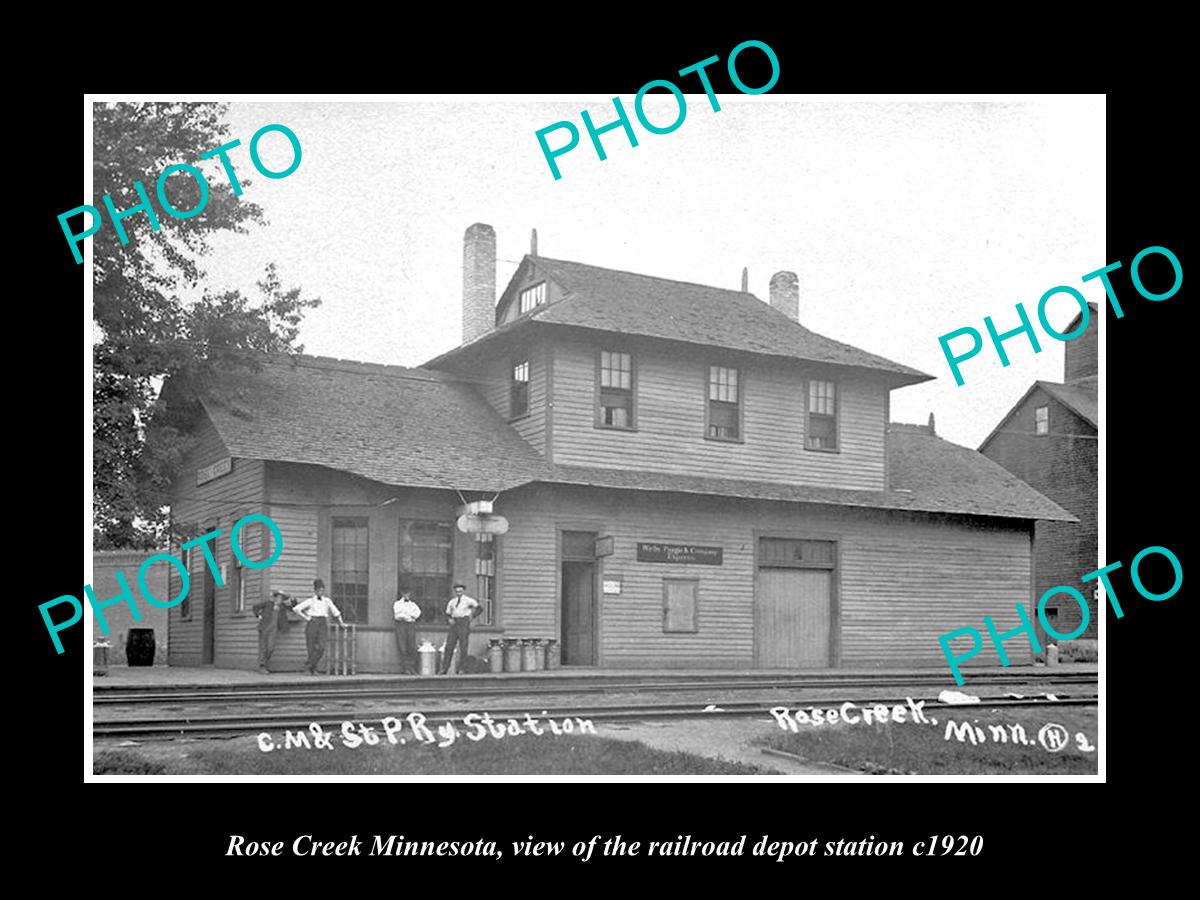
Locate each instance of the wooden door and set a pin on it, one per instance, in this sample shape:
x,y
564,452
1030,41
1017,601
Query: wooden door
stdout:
x,y
792,618
579,613
209,614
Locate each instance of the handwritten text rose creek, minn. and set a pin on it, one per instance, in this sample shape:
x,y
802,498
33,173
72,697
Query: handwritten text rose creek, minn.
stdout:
x,y
145,207
98,606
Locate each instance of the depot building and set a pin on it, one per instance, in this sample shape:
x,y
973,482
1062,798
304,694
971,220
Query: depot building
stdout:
x,y
651,472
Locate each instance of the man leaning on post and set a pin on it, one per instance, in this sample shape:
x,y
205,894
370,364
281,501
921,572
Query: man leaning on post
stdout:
x,y
459,611
316,610
272,622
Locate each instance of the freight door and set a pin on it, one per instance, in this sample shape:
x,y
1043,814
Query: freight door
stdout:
x,y
792,618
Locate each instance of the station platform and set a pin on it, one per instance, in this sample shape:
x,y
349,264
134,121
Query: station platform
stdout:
x,y
168,677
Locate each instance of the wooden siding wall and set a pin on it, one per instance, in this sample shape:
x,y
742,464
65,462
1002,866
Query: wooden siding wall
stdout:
x,y
198,509
902,579
495,390
671,394
303,500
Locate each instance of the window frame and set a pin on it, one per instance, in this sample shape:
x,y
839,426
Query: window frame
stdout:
x,y
694,581
342,603
633,381
709,401
837,417
1038,423
528,289
516,361
490,605
185,605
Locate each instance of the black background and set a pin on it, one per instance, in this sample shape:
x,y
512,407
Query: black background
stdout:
x,y
128,830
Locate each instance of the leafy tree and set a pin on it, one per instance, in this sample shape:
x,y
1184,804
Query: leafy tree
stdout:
x,y
146,332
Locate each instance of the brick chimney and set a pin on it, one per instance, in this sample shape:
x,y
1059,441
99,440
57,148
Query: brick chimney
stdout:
x,y
1083,352
785,294
479,281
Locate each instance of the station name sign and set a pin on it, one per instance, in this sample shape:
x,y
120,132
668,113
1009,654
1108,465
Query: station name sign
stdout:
x,y
679,553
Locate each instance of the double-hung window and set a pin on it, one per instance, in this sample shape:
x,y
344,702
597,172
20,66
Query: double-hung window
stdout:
x,y
616,390
822,431
724,403
518,394
349,568
1041,420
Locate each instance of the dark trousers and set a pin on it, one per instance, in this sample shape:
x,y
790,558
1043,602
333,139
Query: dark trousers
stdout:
x,y
315,634
266,643
406,643
460,633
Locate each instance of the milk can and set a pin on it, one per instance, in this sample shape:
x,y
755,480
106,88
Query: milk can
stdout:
x,y
427,653
496,655
512,655
1052,655
529,654
553,654
539,655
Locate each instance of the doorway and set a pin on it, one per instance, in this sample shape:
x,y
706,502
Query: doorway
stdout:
x,y
794,603
579,607
209,613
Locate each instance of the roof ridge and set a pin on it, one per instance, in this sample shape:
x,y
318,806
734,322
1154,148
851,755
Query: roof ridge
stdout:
x,y
711,287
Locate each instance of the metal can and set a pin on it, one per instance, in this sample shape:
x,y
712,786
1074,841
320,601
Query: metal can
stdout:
x,y
512,655
427,655
529,654
553,654
496,655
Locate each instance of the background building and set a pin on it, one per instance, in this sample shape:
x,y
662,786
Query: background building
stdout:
x,y
105,565
1050,441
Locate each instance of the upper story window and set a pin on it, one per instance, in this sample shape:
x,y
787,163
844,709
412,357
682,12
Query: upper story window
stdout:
x,y
822,416
1041,420
616,390
724,403
532,296
518,395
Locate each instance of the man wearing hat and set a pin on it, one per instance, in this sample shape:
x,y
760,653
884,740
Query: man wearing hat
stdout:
x,y
316,610
272,621
459,611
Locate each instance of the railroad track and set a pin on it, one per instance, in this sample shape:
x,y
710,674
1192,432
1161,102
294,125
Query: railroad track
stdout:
x,y
459,688
241,724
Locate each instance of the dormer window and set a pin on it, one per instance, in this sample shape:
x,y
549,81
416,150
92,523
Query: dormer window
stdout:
x,y
532,296
822,416
615,389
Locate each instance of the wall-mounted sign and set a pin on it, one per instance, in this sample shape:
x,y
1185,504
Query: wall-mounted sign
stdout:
x,y
483,524
611,585
216,470
604,546
679,553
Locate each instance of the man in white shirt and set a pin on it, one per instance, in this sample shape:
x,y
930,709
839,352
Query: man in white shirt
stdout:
x,y
406,613
316,610
460,611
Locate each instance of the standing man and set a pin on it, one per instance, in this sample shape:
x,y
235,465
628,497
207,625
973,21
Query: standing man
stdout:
x,y
316,610
406,613
272,621
459,611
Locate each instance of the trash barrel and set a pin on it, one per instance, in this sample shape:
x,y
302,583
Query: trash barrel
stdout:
x,y
427,655
496,655
529,654
553,654
512,655
139,647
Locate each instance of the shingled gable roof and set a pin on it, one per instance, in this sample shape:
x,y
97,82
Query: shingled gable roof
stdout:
x,y
391,424
416,428
927,474
1080,397
625,302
